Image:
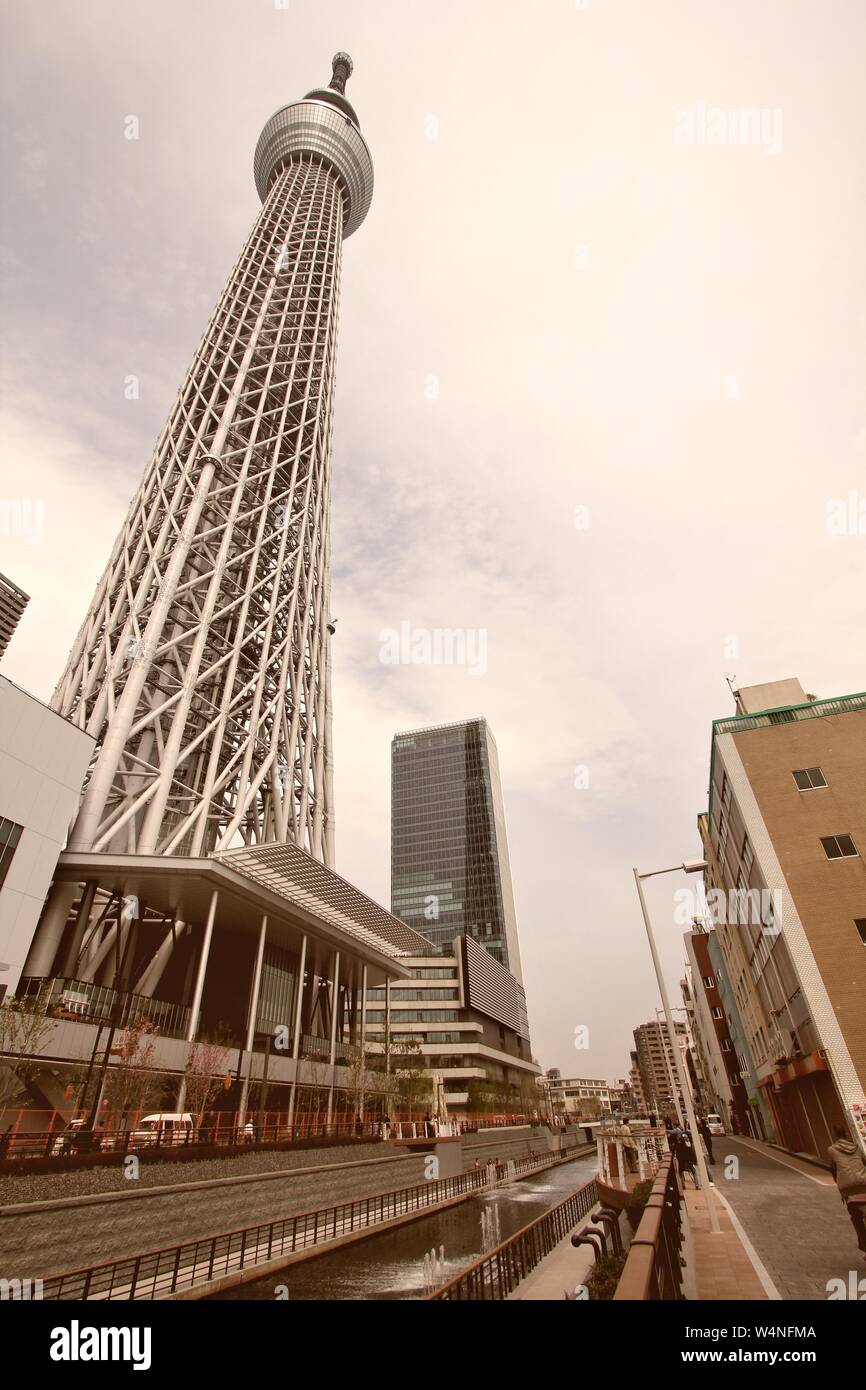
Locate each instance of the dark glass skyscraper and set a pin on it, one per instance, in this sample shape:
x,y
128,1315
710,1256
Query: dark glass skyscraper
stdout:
x,y
450,874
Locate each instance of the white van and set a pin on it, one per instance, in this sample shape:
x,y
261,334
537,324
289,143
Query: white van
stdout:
x,y
168,1127
715,1124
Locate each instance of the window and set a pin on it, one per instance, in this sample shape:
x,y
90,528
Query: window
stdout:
x,y
860,924
748,859
717,1012
838,847
808,778
726,1046
10,834
709,982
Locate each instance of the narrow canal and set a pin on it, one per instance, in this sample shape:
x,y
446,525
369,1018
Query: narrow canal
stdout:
x,y
392,1265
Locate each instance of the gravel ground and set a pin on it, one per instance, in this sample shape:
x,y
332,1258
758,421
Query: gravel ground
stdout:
x,y
85,1182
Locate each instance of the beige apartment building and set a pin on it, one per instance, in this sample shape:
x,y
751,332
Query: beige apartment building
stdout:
x,y
635,1081
784,839
656,1064
581,1096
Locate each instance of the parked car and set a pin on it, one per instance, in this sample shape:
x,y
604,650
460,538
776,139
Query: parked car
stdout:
x,y
167,1127
715,1124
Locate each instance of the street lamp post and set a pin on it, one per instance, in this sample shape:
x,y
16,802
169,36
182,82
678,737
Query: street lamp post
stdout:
x,y
693,866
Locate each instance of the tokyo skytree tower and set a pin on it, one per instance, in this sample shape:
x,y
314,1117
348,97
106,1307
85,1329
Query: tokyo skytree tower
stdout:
x,y
202,668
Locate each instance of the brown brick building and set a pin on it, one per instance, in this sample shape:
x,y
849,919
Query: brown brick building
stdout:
x,y
784,838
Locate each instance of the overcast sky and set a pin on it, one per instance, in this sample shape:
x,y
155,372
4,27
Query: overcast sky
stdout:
x,y
558,311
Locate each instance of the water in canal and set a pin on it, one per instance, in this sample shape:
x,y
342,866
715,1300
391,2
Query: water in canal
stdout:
x,y
392,1265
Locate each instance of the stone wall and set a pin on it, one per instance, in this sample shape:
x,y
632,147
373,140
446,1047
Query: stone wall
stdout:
x,y
45,1238
517,1142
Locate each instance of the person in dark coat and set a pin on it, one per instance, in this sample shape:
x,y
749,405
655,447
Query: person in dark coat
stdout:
x,y
685,1157
707,1138
849,1171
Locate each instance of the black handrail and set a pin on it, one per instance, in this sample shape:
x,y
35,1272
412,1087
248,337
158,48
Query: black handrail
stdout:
x,y
496,1274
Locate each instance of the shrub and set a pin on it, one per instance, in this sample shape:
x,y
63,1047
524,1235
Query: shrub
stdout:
x,y
636,1203
604,1277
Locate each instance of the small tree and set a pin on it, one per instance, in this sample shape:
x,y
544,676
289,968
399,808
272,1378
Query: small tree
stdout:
x,y
24,1027
413,1083
361,1078
131,1083
206,1067
318,1082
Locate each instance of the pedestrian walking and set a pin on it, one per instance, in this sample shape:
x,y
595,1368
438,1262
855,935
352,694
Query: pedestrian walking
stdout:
x,y
674,1135
685,1157
849,1170
707,1138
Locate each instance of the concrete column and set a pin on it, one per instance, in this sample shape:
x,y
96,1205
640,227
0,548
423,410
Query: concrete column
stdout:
x,y
70,959
251,1021
296,1040
152,974
335,1011
195,1007
48,935
363,1040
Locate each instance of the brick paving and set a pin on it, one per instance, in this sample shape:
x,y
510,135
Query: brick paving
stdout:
x,y
721,1268
792,1215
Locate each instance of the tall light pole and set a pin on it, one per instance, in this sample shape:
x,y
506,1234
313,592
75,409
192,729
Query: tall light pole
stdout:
x,y
689,866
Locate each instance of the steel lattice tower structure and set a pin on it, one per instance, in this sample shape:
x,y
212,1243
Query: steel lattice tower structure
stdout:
x,y
202,668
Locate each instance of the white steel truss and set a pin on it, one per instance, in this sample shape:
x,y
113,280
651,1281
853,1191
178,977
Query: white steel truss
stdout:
x,y
202,668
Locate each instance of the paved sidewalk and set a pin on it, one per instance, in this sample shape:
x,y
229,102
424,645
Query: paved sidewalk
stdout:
x,y
792,1215
719,1266
559,1272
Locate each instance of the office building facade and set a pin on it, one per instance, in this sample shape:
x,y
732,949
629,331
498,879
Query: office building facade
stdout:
x,y
451,881
450,871
784,839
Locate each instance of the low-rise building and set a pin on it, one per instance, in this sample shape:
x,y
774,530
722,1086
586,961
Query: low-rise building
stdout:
x,y
43,760
466,1014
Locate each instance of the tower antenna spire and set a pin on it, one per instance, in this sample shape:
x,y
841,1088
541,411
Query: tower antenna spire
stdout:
x,y
342,67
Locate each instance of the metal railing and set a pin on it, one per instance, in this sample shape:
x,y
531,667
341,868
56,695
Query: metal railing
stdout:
x,y
179,1268
57,1137
81,1001
26,1133
498,1273
653,1269
314,1049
